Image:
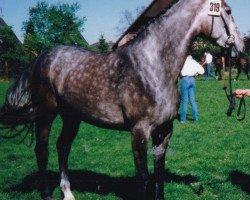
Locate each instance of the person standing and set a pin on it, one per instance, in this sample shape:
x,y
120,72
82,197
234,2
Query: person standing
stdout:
x,y
190,69
208,66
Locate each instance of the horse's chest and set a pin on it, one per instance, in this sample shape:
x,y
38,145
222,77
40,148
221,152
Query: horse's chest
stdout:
x,y
167,104
158,105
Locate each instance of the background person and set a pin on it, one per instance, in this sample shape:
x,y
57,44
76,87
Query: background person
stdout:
x,y
208,66
190,69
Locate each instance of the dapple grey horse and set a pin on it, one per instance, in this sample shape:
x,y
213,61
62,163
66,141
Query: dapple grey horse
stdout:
x,y
133,88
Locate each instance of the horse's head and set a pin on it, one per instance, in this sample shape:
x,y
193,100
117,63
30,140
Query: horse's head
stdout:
x,y
219,24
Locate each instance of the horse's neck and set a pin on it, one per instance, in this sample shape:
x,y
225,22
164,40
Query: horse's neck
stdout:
x,y
163,47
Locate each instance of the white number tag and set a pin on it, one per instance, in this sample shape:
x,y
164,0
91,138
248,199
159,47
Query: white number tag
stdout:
x,y
214,8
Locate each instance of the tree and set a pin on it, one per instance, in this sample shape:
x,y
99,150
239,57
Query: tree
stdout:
x,y
12,56
53,25
202,44
103,46
127,18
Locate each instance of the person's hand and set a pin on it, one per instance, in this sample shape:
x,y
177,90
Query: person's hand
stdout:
x,y
240,93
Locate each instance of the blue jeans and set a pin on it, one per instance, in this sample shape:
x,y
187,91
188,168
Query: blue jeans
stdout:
x,y
188,92
208,72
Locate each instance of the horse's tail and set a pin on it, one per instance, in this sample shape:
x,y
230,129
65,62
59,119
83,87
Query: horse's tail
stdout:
x,y
19,109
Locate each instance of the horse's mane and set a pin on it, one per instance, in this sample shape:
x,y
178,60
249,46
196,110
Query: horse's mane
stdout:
x,y
158,16
167,12
143,28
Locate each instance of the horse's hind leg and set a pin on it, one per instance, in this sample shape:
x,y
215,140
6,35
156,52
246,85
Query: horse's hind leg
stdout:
x,y
69,131
43,125
160,137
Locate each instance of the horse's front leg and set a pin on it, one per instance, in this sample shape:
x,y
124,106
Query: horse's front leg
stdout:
x,y
160,137
69,131
139,147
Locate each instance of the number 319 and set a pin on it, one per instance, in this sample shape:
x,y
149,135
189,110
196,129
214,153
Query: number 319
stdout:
x,y
214,7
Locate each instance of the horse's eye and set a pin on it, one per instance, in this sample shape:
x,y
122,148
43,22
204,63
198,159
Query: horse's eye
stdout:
x,y
229,12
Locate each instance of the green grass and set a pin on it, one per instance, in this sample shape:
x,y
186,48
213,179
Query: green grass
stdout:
x,y
207,160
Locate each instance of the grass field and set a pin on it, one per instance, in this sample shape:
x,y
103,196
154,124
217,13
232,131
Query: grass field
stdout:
x,y
206,160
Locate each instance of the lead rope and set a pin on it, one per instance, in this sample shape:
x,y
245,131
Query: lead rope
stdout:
x,y
239,116
231,97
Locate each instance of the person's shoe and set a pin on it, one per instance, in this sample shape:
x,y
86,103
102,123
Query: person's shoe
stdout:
x,y
182,122
217,78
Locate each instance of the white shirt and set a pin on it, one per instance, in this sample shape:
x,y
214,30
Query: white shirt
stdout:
x,y
191,67
208,58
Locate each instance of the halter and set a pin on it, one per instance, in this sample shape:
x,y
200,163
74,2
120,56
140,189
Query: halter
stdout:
x,y
230,96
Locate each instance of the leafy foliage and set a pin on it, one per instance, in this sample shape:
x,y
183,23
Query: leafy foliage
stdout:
x,y
53,25
201,45
47,26
12,56
103,46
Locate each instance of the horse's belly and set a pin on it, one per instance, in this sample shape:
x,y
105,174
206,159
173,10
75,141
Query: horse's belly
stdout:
x,y
105,113
108,113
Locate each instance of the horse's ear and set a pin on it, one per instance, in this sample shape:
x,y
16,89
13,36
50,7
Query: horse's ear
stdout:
x,y
223,2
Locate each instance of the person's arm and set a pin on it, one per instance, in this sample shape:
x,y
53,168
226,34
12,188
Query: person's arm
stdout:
x,y
240,93
198,68
205,62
